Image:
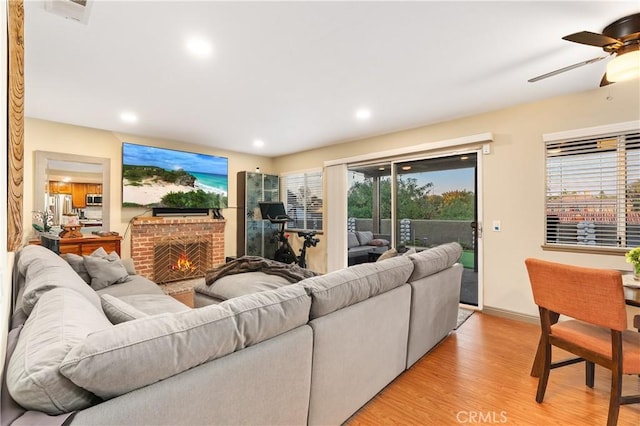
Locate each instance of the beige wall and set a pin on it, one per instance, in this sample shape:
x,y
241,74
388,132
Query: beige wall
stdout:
x,y
513,176
43,135
513,179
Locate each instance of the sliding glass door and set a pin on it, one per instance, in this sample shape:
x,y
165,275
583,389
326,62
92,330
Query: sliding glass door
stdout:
x,y
420,203
436,203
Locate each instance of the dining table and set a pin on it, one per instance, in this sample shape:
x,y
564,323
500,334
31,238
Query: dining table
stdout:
x,y
631,290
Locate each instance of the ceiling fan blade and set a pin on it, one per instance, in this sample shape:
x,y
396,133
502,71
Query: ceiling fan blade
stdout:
x,y
591,39
565,69
604,81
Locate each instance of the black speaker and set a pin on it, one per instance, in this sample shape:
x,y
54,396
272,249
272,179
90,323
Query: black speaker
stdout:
x,y
52,242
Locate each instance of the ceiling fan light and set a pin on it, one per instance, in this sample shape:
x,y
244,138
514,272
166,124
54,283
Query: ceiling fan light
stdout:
x,y
624,67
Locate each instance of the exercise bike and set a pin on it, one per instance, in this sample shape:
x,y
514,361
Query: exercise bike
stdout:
x,y
285,253
274,212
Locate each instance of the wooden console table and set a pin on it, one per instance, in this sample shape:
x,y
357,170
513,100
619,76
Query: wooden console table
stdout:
x,y
87,245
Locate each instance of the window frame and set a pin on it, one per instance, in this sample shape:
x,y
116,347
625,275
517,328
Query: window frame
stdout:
x,y
306,220
586,136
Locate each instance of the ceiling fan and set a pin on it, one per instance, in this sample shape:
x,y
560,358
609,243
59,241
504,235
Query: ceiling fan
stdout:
x,y
621,38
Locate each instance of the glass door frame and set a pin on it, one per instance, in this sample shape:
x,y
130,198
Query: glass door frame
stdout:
x,y
479,208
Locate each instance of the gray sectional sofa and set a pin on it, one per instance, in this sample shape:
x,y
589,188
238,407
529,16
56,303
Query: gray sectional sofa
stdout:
x,y
313,352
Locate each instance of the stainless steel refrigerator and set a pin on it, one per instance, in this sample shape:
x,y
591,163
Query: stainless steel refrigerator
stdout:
x,y
59,204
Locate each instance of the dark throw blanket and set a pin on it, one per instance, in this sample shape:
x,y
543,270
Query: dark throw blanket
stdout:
x,y
291,272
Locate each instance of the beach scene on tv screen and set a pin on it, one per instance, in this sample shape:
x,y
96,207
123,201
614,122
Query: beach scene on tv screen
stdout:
x,y
158,177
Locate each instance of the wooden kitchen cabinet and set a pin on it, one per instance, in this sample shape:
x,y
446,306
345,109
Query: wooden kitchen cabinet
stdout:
x,y
58,187
79,195
94,188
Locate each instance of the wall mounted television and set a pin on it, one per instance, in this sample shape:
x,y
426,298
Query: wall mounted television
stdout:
x,y
173,181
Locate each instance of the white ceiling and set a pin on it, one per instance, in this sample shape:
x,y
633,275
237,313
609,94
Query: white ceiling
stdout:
x,y
294,73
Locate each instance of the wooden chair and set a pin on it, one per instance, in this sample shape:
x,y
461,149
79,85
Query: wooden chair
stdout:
x,y
596,332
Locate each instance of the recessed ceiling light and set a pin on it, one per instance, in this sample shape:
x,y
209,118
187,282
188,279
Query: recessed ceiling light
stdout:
x,y
199,47
464,157
405,168
258,143
363,114
66,179
128,117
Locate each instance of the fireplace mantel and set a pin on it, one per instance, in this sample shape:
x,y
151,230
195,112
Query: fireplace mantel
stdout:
x,y
146,231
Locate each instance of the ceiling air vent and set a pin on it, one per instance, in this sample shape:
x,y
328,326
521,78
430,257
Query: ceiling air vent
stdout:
x,y
77,10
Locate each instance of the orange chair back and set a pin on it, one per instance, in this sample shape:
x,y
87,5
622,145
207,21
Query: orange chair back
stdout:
x,y
587,294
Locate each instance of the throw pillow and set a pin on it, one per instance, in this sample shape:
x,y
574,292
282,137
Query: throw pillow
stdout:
x,y
387,254
378,242
364,237
129,266
77,264
409,252
118,310
105,269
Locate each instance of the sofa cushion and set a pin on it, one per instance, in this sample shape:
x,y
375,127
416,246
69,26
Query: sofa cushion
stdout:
x,y
352,240
105,269
118,310
9,408
137,353
43,271
153,304
61,319
77,264
430,261
236,285
137,284
364,237
345,287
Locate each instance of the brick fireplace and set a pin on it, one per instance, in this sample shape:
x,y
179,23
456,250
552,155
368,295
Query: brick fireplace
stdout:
x,y
166,249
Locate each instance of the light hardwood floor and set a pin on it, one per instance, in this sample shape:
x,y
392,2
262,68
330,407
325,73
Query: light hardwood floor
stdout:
x,y
480,375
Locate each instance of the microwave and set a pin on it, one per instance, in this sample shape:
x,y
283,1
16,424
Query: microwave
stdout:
x,y
94,199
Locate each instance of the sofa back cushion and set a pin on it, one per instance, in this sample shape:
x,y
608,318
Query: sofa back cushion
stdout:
x,y
60,320
137,353
433,260
352,240
43,271
345,287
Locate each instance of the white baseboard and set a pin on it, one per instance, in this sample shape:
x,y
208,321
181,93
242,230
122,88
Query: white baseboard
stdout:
x,y
511,315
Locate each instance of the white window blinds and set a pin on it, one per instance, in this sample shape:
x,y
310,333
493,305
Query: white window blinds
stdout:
x,y
304,200
593,191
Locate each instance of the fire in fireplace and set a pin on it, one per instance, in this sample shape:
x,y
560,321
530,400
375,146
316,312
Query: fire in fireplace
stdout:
x,y
183,264
181,258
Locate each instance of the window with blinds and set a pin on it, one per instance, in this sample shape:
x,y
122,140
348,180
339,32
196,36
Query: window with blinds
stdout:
x,y
593,191
304,200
